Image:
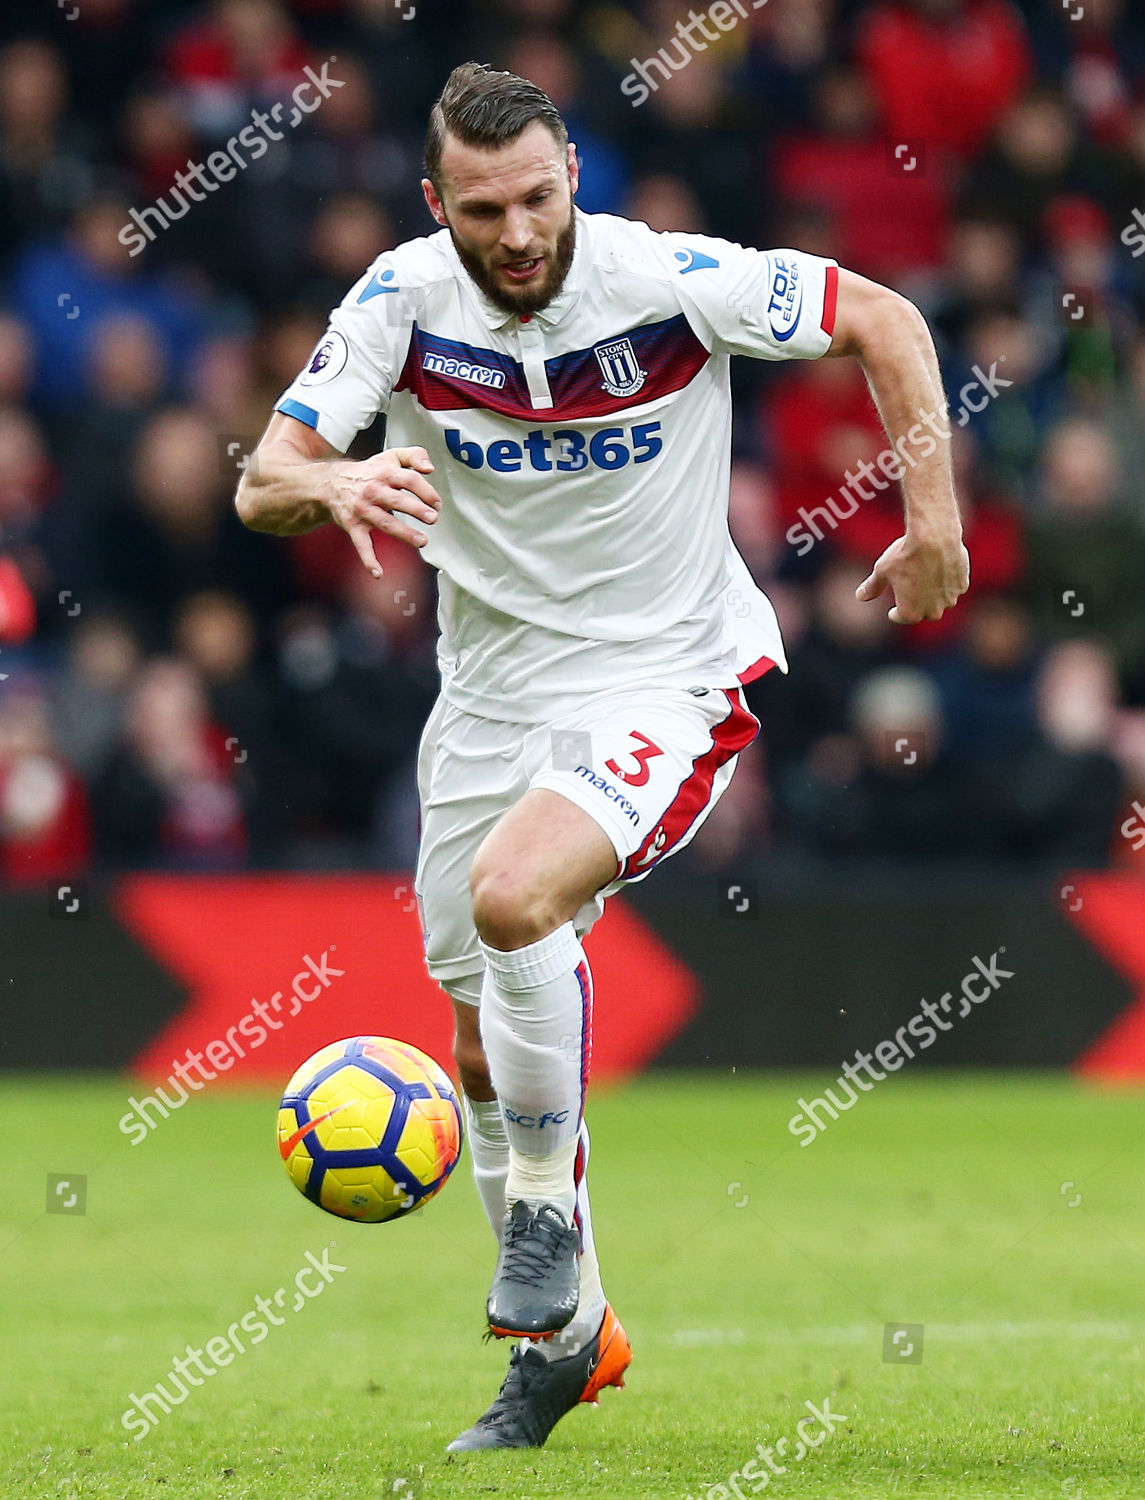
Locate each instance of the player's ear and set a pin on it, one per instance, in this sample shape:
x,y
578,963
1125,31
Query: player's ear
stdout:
x,y
574,169
433,202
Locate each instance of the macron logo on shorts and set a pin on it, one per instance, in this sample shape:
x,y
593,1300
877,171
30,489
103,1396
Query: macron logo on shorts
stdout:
x,y
610,792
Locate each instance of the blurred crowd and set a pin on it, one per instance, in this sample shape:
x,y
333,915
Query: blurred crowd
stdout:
x,y
178,692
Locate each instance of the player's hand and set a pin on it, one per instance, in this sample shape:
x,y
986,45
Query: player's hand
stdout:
x,y
368,496
927,577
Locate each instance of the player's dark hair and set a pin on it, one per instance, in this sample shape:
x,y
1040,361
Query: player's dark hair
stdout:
x,y
481,107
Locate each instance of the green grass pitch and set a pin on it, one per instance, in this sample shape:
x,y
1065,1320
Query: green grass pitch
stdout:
x,y
1006,1214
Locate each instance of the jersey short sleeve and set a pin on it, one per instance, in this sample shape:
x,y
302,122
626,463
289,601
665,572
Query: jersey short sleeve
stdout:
x,y
350,374
769,304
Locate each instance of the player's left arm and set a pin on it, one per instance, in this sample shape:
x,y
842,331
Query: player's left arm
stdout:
x,y
927,568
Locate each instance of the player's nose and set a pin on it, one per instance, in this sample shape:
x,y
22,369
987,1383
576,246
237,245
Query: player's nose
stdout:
x,y
516,233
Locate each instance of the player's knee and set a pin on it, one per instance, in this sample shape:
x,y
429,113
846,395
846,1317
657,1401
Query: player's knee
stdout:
x,y
507,911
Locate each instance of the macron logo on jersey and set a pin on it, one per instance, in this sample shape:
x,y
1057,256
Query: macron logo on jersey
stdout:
x,y
463,369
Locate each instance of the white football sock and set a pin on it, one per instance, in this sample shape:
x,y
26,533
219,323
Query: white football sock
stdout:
x,y
590,1309
543,1179
489,1150
485,1125
536,1025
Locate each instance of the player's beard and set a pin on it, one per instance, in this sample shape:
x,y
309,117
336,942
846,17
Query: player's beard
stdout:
x,y
537,293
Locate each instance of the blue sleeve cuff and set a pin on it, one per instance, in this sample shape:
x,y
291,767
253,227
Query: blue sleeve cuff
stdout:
x,y
292,408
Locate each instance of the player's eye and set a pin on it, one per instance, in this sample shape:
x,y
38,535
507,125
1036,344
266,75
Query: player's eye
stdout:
x,y
537,199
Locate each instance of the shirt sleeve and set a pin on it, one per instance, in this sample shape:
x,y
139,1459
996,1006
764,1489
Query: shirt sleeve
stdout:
x,y
351,372
769,304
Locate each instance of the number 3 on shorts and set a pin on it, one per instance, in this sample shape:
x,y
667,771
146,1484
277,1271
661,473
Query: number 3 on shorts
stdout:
x,y
641,757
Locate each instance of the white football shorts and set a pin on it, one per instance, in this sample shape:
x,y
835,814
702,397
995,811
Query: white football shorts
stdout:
x,y
647,764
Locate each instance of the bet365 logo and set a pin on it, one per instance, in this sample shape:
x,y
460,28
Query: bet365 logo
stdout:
x,y
564,448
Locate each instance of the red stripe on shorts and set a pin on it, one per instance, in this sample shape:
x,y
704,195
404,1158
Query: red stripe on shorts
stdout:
x,y
729,737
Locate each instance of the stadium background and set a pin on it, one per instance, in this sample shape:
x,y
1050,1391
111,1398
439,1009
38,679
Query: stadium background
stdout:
x,y
183,697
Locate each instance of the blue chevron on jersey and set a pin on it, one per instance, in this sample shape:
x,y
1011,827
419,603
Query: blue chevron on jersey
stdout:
x,y
695,260
378,285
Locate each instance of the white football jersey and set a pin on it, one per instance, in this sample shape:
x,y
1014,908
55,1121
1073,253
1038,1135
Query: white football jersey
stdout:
x,y
582,454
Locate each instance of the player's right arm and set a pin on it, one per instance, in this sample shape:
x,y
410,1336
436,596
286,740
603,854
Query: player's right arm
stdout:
x,y
786,304
296,481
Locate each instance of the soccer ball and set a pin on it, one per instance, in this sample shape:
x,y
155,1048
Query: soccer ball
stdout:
x,y
369,1128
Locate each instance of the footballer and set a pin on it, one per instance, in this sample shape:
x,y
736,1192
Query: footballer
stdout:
x,y
556,390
